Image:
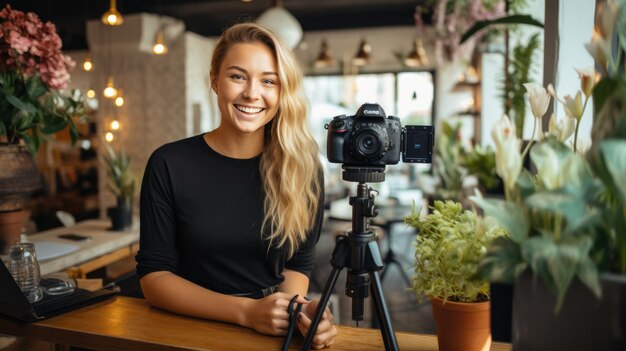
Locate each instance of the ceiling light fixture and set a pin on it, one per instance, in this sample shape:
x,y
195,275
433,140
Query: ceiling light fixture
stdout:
x,y
119,101
87,64
159,47
417,57
362,56
324,59
282,23
109,91
112,17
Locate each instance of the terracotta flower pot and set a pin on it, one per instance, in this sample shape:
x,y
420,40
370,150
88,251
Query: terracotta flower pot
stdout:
x,y
11,224
462,326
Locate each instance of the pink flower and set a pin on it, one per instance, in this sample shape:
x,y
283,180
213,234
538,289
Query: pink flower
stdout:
x,y
32,47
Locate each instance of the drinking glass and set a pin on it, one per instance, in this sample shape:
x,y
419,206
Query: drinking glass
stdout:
x,y
24,267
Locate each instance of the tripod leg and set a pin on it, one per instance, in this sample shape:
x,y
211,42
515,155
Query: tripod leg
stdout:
x,y
389,338
328,290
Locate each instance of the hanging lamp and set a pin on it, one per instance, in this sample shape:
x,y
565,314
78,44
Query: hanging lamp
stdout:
x,y
282,23
112,17
362,56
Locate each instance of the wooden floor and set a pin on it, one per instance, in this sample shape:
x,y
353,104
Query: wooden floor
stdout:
x,y
406,313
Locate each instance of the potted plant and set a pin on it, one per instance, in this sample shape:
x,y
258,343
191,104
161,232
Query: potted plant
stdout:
x,y
123,184
566,248
33,104
450,244
481,163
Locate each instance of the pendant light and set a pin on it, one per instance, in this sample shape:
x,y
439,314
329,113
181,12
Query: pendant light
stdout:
x,y
159,47
417,57
87,64
362,56
282,23
109,91
112,17
324,59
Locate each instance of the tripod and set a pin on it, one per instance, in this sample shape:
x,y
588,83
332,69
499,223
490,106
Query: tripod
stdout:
x,y
358,251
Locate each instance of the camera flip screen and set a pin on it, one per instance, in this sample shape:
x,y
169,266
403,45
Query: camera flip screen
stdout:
x,y
418,144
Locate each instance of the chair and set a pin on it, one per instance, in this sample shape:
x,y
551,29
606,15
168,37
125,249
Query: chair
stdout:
x,y
66,218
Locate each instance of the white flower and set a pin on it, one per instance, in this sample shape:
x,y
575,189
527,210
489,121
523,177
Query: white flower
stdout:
x,y
561,128
600,49
508,157
574,105
606,17
587,80
539,99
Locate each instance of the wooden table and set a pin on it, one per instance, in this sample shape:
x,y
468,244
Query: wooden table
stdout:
x,y
104,247
126,323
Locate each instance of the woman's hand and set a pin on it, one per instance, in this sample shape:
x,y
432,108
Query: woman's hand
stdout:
x,y
269,314
326,331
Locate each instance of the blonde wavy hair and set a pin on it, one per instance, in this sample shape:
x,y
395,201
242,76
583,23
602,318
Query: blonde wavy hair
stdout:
x,y
290,166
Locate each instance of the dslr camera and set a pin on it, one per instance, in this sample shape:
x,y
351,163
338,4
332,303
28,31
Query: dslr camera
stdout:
x,y
371,140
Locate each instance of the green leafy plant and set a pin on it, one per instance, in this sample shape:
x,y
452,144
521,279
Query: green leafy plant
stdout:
x,y
448,154
567,221
518,73
450,244
121,180
33,74
481,162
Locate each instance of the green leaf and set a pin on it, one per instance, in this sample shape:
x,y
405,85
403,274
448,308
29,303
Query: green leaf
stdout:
x,y
602,91
512,19
53,125
31,144
588,275
35,87
620,26
503,262
614,154
556,265
558,201
510,216
25,106
3,128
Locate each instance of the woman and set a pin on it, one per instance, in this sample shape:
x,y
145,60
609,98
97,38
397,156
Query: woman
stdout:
x,y
230,219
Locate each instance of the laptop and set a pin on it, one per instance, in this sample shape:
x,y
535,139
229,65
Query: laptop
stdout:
x,y
15,306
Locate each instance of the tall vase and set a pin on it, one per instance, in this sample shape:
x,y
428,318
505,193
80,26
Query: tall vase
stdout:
x,y
462,326
584,322
18,178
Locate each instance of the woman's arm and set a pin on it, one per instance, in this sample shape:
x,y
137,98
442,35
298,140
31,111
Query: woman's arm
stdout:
x,y
294,283
170,292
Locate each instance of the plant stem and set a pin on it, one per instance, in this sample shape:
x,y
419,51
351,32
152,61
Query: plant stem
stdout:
x,y
558,222
532,138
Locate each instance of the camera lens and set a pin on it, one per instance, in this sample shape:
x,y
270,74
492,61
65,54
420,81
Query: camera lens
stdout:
x,y
368,145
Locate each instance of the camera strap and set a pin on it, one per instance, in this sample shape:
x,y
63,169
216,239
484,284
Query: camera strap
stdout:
x,y
293,309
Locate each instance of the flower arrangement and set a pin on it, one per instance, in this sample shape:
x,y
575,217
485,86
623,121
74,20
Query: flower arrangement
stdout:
x,y
450,244
33,74
567,221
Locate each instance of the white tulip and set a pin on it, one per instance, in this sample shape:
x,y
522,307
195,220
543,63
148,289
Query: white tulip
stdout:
x,y
562,128
508,157
539,99
587,80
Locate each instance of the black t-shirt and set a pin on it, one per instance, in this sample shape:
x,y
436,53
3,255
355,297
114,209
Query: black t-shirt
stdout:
x,y
201,217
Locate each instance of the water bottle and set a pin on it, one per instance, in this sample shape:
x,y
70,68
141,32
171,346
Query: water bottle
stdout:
x,y
24,268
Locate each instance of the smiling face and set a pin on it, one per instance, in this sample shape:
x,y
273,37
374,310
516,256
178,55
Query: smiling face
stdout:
x,y
247,88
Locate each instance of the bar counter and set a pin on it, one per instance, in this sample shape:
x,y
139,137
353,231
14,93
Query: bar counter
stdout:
x,y
123,323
